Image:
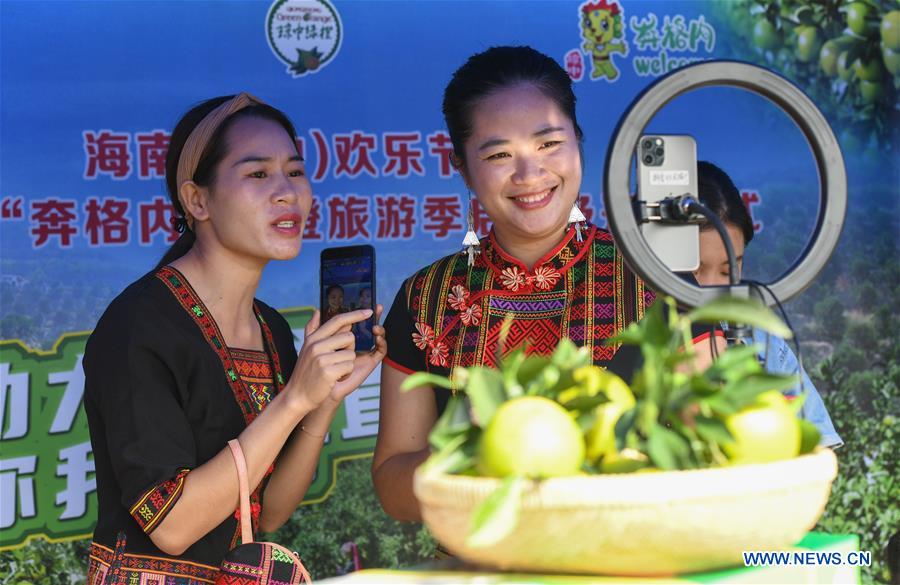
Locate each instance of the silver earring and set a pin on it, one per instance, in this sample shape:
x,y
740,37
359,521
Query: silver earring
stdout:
x,y
576,217
470,241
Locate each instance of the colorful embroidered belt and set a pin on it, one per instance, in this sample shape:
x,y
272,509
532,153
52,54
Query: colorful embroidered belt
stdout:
x,y
116,567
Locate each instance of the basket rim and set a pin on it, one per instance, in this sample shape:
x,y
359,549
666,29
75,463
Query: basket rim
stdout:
x,y
639,488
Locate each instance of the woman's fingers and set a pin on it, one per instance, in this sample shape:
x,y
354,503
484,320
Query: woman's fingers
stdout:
x,y
340,321
334,343
312,324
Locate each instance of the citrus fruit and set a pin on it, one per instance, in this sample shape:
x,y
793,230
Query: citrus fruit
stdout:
x,y
591,380
844,69
869,70
600,439
807,43
891,58
857,13
871,91
890,30
765,431
765,35
531,436
828,58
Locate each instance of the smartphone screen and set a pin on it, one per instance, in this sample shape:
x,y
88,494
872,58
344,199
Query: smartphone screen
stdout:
x,y
348,284
667,166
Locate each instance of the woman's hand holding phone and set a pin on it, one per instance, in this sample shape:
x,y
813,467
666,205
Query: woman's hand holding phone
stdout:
x,y
364,364
327,366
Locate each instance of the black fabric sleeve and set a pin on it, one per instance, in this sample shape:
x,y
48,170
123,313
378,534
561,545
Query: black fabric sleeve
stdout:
x,y
399,326
133,382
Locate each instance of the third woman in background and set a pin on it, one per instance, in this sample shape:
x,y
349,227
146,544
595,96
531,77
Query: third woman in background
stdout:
x,y
718,193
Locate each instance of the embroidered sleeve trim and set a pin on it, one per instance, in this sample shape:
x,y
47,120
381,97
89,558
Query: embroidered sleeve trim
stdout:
x,y
157,502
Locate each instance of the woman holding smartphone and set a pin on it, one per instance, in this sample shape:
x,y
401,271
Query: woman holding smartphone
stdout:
x,y
510,112
186,359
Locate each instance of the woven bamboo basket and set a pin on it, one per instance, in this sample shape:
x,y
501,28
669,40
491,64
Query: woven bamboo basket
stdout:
x,y
643,524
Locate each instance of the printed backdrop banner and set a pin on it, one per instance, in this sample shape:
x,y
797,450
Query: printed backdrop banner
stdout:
x,y
91,91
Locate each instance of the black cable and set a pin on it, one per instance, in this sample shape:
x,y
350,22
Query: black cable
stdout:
x,y
694,206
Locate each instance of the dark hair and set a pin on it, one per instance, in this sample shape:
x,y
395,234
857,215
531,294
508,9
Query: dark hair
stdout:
x,y
334,287
498,68
215,151
719,194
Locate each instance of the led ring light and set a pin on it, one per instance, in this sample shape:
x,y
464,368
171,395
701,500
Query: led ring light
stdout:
x,y
829,162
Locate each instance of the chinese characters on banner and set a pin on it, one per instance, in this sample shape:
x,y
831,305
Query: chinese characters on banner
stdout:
x,y
47,482
339,217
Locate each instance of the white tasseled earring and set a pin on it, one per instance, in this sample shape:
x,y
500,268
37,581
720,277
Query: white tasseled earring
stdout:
x,y
576,217
470,241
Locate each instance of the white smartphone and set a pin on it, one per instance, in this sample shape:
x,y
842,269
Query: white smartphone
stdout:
x,y
667,167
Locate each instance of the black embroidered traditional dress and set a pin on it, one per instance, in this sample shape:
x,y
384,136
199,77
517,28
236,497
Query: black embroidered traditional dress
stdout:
x,y
163,395
450,314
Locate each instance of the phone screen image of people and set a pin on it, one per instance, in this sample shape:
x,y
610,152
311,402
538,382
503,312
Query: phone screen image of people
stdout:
x,y
347,285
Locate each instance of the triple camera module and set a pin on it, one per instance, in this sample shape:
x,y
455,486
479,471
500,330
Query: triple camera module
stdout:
x,y
653,152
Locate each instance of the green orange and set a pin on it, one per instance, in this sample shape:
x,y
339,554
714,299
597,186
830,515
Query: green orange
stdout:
x,y
766,431
533,437
828,57
765,35
890,30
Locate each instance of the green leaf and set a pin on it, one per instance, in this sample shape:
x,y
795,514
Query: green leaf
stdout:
x,y
737,361
567,356
456,455
586,403
809,436
667,449
658,449
745,311
796,405
631,335
509,367
624,426
425,379
744,391
485,391
712,430
452,423
531,368
496,517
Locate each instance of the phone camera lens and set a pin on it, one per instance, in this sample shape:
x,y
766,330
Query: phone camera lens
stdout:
x,y
648,159
648,144
659,151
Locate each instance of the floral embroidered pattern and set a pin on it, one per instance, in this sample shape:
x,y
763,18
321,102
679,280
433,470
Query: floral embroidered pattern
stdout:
x,y
546,277
458,298
439,354
425,336
512,278
471,316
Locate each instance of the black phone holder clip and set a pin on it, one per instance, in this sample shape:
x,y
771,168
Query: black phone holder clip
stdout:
x,y
675,209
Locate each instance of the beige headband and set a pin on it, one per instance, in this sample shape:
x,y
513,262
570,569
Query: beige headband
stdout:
x,y
200,137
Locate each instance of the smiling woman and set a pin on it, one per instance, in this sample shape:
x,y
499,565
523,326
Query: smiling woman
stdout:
x,y
186,359
542,271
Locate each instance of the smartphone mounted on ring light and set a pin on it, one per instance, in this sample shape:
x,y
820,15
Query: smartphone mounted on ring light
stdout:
x,y
347,283
667,167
